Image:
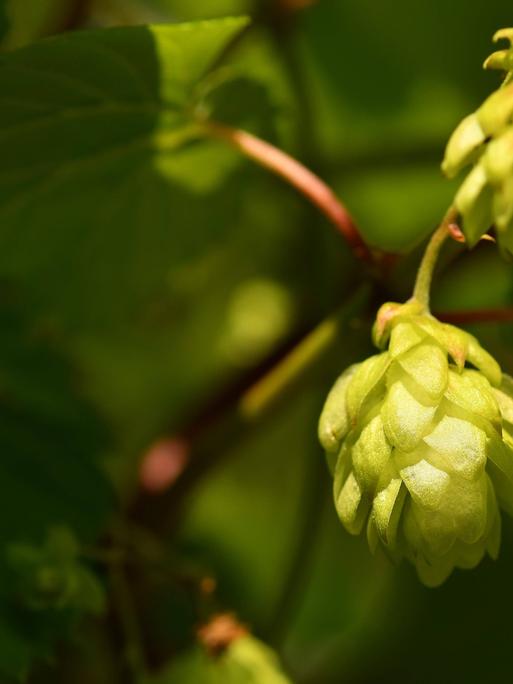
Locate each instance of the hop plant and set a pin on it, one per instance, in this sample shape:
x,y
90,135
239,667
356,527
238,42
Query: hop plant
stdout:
x,y
420,441
485,139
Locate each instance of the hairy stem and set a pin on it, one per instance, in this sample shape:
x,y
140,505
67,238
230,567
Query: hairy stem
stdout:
x,y
310,185
422,288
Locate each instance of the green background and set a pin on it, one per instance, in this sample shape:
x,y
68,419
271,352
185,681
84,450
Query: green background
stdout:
x,y
133,267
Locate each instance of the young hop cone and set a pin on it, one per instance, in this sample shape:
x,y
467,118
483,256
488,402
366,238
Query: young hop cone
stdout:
x,y
485,139
419,439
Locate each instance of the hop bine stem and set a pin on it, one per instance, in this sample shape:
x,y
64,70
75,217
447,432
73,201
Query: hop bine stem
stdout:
x,y
427,266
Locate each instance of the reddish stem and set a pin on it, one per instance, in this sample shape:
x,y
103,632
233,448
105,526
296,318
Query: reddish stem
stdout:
x,y
310,185
477,316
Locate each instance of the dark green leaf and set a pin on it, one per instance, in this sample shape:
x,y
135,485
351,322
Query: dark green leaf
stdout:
x,y
92,134
50,440
51,575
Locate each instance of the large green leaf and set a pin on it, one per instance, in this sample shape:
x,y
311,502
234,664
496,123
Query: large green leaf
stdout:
x,y
91,132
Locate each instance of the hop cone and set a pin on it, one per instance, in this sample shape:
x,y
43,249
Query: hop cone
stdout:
x,y
420,442
485,138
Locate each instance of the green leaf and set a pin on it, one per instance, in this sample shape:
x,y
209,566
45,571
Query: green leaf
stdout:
x,y
50,439
89,126
128,242
52,463
51,575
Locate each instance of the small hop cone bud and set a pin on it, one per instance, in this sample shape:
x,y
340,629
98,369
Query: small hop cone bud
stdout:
x,y
485,139
420,442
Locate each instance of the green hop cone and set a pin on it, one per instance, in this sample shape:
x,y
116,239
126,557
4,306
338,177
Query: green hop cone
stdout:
x,y
419,439
485,139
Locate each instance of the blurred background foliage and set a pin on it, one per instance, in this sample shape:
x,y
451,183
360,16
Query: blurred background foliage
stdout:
x,y
144,293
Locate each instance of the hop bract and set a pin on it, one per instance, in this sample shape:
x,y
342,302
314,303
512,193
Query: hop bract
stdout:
x,y
419,439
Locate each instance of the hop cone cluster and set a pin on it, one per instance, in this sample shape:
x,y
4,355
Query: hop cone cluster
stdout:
x,y
485,138
420,442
